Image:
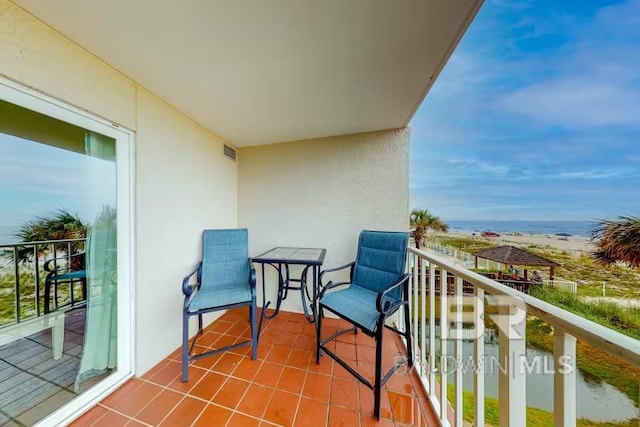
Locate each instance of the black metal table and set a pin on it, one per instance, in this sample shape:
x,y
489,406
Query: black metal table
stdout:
x,y
280,258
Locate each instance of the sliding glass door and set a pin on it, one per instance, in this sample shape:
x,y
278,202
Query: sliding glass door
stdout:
x,y
65,250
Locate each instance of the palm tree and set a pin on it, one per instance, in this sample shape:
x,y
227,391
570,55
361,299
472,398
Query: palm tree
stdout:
x,y
59,225
106,217
618,241
422,221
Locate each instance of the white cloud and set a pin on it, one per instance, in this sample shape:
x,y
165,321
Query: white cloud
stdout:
x,y
475,165
589,81
576,102
589,174
623,17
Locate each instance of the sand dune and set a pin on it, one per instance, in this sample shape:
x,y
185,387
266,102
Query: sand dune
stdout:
x,y
572,244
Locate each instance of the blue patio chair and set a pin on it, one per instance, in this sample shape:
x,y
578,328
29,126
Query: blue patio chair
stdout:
x,y
224,279
378,287
66,270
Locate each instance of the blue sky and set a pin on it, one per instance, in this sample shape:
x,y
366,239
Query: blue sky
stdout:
x,y
536,116
36,179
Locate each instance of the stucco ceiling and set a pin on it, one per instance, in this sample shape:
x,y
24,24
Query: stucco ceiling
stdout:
x,y
259,72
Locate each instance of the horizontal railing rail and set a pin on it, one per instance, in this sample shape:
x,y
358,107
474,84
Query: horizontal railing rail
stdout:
x,y
432,361
38,253
41,242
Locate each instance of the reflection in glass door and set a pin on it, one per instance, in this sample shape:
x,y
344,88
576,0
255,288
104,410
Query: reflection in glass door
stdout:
x,y
58,262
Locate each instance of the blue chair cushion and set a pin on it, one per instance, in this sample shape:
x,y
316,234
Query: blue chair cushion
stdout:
x,y
78,274
354,303
225,270
221,296
381,259
225,255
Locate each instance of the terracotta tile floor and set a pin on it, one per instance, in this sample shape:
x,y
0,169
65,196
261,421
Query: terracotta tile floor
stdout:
x,y
283,387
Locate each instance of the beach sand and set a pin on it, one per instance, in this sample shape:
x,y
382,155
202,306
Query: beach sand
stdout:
x,y
573,244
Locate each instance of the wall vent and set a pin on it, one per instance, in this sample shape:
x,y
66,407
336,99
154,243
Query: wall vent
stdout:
x,y
230,152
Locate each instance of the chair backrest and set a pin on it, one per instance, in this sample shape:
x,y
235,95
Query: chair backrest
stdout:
x,y
225,258
381,260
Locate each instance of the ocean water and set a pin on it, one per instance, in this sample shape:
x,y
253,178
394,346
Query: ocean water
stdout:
x,y
575,228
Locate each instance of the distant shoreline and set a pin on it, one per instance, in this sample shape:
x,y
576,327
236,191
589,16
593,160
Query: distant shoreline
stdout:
x,y
564,243
573,228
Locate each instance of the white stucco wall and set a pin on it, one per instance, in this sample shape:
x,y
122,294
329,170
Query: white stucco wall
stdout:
x,y
322,193
184,184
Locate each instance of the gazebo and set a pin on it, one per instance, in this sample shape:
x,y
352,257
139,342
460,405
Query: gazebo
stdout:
x,y
510,255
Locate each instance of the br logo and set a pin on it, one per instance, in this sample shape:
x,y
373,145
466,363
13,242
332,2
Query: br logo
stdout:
x,y
466,316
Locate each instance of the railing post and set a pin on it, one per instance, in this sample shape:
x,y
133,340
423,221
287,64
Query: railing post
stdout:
x,y
16,283
432,328
69,267
423,315
512,390
459,388
564,379
478,359
36,267
444,337
414,312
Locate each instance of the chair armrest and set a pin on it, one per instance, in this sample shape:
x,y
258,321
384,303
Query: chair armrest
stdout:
x,y
331,285
383,305
329,270
187,287
48,267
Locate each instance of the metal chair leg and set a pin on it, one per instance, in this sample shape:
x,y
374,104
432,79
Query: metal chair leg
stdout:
x,y
320,315
254,331
377,387
47,296
407,336
185,347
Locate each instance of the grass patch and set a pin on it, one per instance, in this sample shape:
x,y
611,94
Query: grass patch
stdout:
x,y
622,319
467,244
595,364
620,281
535,417
27,293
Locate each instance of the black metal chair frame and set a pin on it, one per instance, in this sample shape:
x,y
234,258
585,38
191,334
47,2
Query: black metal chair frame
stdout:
x,y
54,279
188,290
386,309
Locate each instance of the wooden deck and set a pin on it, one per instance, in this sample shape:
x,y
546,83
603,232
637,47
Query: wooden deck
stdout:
x,y
32,384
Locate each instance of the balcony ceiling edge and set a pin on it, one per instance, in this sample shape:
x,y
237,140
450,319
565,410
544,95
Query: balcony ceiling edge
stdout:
x,y
258,74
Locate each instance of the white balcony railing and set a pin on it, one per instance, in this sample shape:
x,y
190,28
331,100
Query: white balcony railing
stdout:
x,y
505,306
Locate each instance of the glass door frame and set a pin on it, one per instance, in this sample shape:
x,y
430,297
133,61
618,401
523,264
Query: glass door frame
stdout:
x,y
17,94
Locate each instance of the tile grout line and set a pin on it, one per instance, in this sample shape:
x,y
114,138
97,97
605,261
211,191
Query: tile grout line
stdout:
x,y
233,410
296,336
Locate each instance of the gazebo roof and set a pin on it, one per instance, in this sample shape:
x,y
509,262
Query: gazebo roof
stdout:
x,y
512,255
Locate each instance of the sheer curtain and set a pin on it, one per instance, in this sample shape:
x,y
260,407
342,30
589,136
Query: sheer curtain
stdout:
x,y
99,352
